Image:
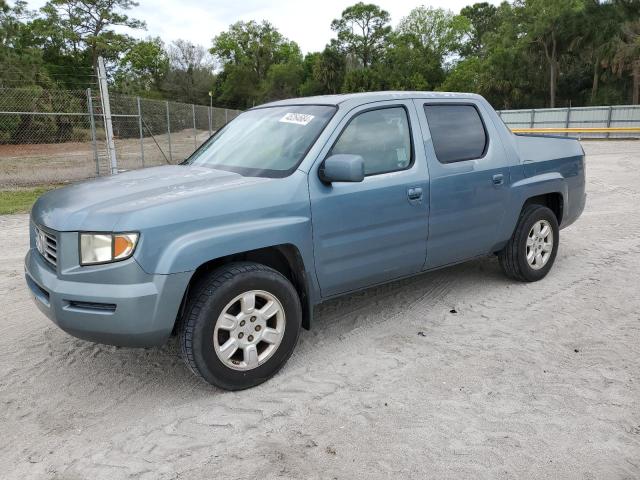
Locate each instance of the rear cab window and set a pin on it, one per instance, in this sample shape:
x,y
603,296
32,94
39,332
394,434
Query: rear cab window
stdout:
x,y
457,131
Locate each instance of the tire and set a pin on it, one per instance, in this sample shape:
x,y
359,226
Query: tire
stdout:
x,y
205,330
514,257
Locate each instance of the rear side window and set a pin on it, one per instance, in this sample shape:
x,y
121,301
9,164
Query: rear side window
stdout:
x,y
381,137
457,131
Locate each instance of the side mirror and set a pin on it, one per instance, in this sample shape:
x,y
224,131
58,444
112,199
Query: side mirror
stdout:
x,y
342,168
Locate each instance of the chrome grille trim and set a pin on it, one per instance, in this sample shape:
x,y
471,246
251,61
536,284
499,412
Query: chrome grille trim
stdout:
x,y
48,249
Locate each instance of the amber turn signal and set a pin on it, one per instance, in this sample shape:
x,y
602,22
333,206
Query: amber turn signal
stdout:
x,y
123,245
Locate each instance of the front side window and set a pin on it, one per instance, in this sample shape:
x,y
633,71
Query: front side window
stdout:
x,y
457,132
267,141
381,137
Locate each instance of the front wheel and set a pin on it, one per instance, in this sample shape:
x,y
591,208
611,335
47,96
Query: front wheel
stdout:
x,y
241,325
532,249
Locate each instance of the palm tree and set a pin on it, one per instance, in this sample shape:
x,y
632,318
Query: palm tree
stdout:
x,y
627,56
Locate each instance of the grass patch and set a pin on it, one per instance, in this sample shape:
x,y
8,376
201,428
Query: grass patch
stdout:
x,y
20,200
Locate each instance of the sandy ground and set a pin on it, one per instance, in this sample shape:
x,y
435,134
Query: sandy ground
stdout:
x,y
522,381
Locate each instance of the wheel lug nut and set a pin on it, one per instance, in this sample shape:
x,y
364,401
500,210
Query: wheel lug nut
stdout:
x,y
258,327
253,319
251,338
240,335
242,323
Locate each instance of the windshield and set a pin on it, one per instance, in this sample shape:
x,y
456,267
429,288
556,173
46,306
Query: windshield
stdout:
x,y
268,142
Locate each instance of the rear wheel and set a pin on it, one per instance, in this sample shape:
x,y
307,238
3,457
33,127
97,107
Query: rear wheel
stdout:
x,y
241,325
532,249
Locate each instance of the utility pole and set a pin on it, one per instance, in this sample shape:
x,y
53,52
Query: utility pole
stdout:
x,y
106,113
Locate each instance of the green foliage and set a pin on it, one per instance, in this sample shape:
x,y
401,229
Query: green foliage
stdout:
x,y
283,81
143,68
409,64
89,25
548,27
627,55
437,29
467,76
483,18
251,49
362,32
20,201
523,53
190,75
21,61
330,69
237,85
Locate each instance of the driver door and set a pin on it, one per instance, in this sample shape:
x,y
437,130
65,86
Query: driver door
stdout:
x,y
375,230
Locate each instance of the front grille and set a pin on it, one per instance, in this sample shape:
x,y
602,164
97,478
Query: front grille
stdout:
x,y
47,245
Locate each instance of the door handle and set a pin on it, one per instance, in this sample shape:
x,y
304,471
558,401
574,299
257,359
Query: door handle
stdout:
x,y
414,193
498,179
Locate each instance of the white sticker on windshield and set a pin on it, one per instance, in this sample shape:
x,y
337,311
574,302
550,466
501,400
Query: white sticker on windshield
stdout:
x,y
297,118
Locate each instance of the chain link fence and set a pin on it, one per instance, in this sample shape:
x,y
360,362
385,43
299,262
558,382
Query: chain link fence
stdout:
x,y
57,136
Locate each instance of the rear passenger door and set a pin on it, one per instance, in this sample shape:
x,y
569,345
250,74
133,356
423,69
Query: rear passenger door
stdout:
x,y
375,230
468,174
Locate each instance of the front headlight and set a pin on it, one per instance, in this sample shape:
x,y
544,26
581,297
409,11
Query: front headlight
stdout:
x,y
106,247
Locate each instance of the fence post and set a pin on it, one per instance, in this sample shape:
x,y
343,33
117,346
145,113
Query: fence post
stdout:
x,y
210,112
169,133
226,116
92,121
567,122
610,114
141,131
533,118
106,112
195,132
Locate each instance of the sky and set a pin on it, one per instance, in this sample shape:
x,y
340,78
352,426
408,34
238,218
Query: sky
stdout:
x,y
306,22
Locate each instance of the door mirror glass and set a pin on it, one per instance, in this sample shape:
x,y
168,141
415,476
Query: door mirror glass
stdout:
x,y
342,168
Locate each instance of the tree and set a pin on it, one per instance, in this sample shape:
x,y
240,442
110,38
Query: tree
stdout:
x,y
361,80
247,52
509,74
89,24
483,18
237,86
438,29
255,45
627,56
466,76
190,76
408,64
548,25
330,69
362,31
143,67
21,61
310,85
597,38
283,81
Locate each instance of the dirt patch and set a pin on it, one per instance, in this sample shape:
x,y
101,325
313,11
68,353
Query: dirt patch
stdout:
x,y
37,164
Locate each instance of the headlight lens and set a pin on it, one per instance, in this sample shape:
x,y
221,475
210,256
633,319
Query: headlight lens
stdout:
x,y
106,247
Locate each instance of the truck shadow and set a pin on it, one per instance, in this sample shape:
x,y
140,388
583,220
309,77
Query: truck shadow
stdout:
x,y
161,369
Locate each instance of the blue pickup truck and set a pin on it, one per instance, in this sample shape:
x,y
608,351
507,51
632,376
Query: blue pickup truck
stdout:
x,y
290,204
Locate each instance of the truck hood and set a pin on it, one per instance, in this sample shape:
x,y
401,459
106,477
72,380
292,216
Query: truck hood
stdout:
x,y
97,205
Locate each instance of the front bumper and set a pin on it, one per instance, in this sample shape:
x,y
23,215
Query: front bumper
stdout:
x,y
141,313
